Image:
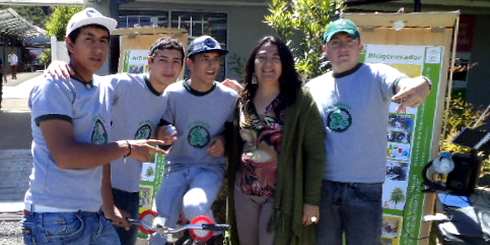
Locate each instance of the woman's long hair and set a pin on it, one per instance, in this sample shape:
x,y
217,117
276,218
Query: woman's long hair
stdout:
x,y
289,80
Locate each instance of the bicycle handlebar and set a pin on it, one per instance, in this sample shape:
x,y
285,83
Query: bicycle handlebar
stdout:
x,y
167,230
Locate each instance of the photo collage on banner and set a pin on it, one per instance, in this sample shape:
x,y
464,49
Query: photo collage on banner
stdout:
x,y
401,133
135,61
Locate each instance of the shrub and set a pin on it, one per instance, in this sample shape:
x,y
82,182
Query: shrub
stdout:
x,y
461,114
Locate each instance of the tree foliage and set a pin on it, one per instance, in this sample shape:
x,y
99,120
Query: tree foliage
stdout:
x,y
56,24
397,196
301,23
462,114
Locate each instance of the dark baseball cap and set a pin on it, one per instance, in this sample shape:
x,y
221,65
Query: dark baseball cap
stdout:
x,y
338,26
204,44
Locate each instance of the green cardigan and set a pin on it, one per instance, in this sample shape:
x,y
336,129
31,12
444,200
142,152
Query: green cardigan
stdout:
x,y
299,172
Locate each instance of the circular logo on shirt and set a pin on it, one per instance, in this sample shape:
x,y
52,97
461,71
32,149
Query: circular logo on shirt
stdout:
x,y
143,132
198,136
99,133
339,119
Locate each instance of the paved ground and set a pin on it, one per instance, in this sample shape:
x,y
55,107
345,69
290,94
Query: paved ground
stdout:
x,y
15,158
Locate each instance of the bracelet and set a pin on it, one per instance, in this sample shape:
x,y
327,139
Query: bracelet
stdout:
x,y
129,148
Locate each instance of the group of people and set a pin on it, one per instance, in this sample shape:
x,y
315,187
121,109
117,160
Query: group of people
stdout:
x,y
304,163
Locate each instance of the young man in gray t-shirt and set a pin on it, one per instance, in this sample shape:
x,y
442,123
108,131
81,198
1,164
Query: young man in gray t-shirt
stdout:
x,y
137,108
70,127
137,105
353,100
198,107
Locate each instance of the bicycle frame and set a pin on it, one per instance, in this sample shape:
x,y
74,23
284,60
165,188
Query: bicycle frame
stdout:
x,y
200,223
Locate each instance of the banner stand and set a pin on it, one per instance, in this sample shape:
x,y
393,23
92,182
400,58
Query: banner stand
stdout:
x,y
422,43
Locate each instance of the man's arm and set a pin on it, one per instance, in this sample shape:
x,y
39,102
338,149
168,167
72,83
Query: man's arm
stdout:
x,y
69,154
411,91
111,212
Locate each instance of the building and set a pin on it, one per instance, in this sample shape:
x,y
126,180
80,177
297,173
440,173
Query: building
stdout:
x,y
237,25
16,33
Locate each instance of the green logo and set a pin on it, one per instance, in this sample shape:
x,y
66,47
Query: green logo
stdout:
x,y
198,136
339,119
99,133
143,132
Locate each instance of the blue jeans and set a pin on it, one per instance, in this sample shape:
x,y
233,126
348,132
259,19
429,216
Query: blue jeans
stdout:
x,y
129,202
351,208
190,189
79,228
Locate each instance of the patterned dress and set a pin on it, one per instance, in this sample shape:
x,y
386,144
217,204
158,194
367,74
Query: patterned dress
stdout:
x,y
262,136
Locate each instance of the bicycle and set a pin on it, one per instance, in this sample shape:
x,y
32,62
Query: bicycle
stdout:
x,y
200,229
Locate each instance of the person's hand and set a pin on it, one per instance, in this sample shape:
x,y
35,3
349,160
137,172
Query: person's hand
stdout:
x,y
411,92
118,217
58,70
233,84
311,214
217,147
144,150
167,134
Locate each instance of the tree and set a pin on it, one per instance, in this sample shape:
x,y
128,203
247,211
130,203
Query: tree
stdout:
x,y
56,24
301,23
397,196
462,114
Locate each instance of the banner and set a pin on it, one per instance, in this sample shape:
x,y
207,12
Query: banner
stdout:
x,y
409,140
152,175
135,61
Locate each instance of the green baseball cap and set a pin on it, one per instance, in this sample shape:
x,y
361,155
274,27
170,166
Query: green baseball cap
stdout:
x,y
338,26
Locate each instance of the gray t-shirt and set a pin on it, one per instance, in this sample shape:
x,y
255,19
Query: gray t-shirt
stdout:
x,y
198,118
354,107
136,110
87,107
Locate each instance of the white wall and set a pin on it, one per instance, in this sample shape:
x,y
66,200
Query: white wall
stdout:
x,y
58,50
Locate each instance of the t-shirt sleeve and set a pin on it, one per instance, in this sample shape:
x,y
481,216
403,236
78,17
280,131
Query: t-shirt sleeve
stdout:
x,y
168,114
116,86
389,78
52,100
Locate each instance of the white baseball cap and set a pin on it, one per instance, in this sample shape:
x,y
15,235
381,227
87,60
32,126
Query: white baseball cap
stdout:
x,y
90,16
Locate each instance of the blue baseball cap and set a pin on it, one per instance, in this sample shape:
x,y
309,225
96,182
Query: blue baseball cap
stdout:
x,y
338,26
205,44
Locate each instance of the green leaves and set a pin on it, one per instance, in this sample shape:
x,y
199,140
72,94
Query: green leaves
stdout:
x,y
56,24
300,23
460,114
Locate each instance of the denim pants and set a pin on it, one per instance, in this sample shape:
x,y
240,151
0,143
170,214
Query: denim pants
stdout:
x,y
189,189
129,202
78,228
353,209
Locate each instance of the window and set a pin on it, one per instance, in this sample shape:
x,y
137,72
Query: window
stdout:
x,y
196,24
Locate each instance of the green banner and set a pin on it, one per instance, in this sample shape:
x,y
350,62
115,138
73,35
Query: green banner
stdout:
x,y
152,174
409,141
